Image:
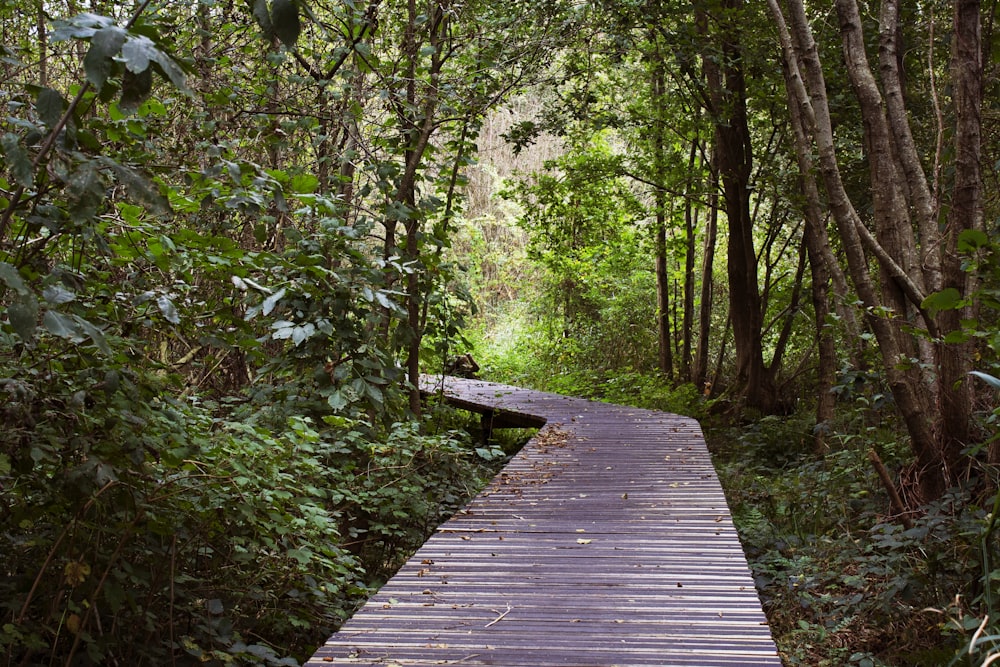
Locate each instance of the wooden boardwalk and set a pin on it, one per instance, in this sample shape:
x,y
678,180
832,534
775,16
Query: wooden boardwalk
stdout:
x,y
605,542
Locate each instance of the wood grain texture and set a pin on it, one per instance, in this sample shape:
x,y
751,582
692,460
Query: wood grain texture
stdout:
x,y
605,542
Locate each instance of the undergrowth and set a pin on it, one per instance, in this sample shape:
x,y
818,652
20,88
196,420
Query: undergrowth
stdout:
x,y
140,529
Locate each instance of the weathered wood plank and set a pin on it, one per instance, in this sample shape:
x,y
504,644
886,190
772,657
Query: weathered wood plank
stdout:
x,y
606,541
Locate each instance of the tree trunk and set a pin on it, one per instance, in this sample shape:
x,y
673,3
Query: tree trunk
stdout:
x,y
955,359
700,374
727,89
690,227
934,399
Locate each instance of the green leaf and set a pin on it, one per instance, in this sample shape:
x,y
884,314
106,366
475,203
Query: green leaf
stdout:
x,y
263,17
23,316
139,51
82,26
972,240
285,19
946,299
17,158
168,309
135,89
50,106
86,190
104,46
95,335
4,464
58,295
272,301
12,277
337,400
62,326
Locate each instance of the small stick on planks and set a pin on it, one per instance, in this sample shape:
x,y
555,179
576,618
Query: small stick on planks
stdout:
x,y
498,618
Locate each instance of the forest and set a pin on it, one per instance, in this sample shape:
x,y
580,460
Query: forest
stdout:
x,y
234,235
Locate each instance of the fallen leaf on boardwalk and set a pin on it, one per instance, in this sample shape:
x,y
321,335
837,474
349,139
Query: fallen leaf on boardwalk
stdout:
x,y
584,541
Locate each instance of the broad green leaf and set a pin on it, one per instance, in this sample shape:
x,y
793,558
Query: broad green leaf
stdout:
x,y
263,17
12,277
50,106
135,89
971,240
61,325
285,19
303,333
957,337
4,464
18,160
946,299
272,301
86,189
81,26
104,46
168,309
95,335
23,316
58,295
139,51
337,400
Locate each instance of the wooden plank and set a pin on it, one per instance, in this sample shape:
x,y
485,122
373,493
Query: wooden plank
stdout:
x,y
605,542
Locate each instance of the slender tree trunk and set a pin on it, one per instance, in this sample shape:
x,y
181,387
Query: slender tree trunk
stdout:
x,y
700,374
665,359
665,354
727,89
690,226
955,359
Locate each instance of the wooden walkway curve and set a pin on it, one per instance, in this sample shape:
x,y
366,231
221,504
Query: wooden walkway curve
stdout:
x,y
605,542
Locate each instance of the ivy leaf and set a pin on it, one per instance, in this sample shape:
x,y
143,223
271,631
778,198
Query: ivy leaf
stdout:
x,y
285,19
17,158
104,46
50,106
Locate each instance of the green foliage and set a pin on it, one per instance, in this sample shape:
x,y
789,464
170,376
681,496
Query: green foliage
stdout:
x,y
126,511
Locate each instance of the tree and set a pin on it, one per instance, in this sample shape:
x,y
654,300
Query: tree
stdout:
x,y
921,285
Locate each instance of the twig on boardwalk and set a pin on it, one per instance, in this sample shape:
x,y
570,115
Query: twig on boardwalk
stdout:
x,y
498,618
